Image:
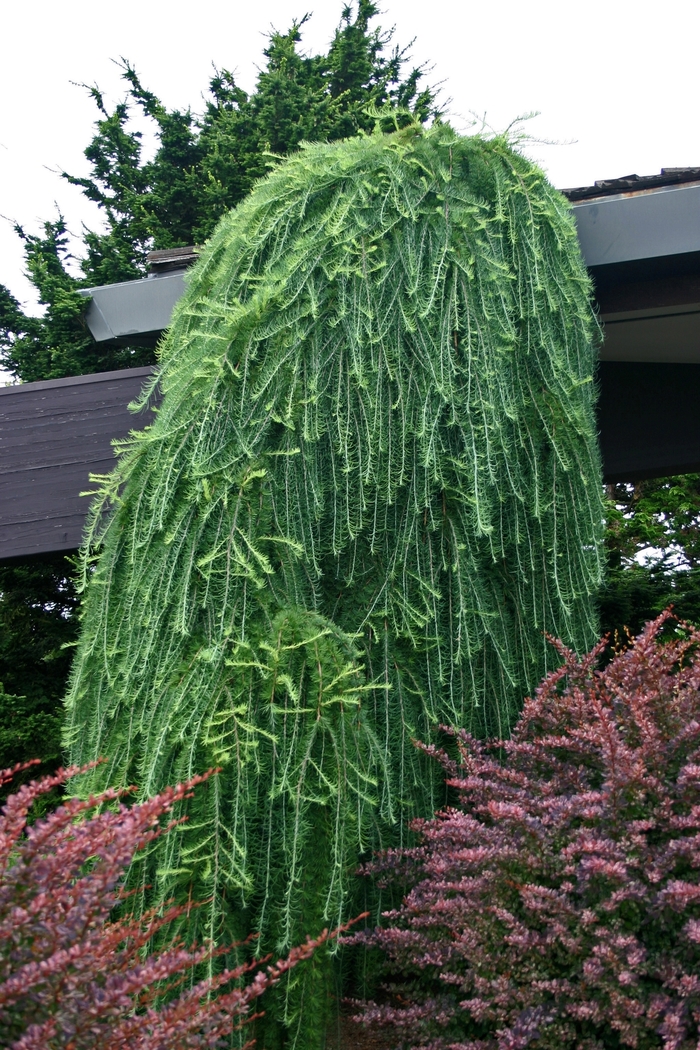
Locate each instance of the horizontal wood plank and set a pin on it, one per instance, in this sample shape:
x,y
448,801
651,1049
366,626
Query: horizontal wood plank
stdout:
x,y
53,436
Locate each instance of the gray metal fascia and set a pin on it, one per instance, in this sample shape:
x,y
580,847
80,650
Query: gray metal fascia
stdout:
x,y
645,225
117,311
623,228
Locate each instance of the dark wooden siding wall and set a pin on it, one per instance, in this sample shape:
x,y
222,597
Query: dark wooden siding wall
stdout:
x,y
53,435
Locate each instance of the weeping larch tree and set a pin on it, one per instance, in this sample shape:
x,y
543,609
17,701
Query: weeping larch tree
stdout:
x,y
371,489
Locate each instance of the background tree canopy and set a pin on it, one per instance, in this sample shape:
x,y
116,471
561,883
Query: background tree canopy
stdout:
x,y
653,552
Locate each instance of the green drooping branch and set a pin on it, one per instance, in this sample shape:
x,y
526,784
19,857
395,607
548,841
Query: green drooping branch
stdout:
x,y
372,486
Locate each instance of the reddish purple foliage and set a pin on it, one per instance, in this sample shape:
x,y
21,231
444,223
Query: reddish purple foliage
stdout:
x,y
558,904
71,978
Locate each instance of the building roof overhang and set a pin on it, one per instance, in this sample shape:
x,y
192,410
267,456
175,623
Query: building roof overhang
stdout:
x,y
640,239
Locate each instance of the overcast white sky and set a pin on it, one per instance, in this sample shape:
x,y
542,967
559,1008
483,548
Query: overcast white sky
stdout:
x,y
618,79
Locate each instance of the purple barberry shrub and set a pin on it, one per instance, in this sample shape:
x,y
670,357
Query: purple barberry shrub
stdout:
x,y
556,904
73,977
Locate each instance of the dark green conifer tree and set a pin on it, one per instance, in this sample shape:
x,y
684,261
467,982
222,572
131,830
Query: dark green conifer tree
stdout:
x,y
39,626
652,544
371,488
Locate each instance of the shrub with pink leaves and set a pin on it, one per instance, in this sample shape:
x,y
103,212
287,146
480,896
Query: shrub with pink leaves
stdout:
x,y
74,978
557,903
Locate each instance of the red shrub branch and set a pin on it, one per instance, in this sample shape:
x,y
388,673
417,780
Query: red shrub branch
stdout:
x,y
71,978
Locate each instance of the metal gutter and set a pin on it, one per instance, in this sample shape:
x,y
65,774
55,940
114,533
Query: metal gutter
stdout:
x,y
649,225
134,311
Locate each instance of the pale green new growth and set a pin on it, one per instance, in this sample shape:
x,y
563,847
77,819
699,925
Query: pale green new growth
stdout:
x,y
373,485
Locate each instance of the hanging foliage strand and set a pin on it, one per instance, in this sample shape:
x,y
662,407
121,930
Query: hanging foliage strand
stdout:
x,y
372,485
